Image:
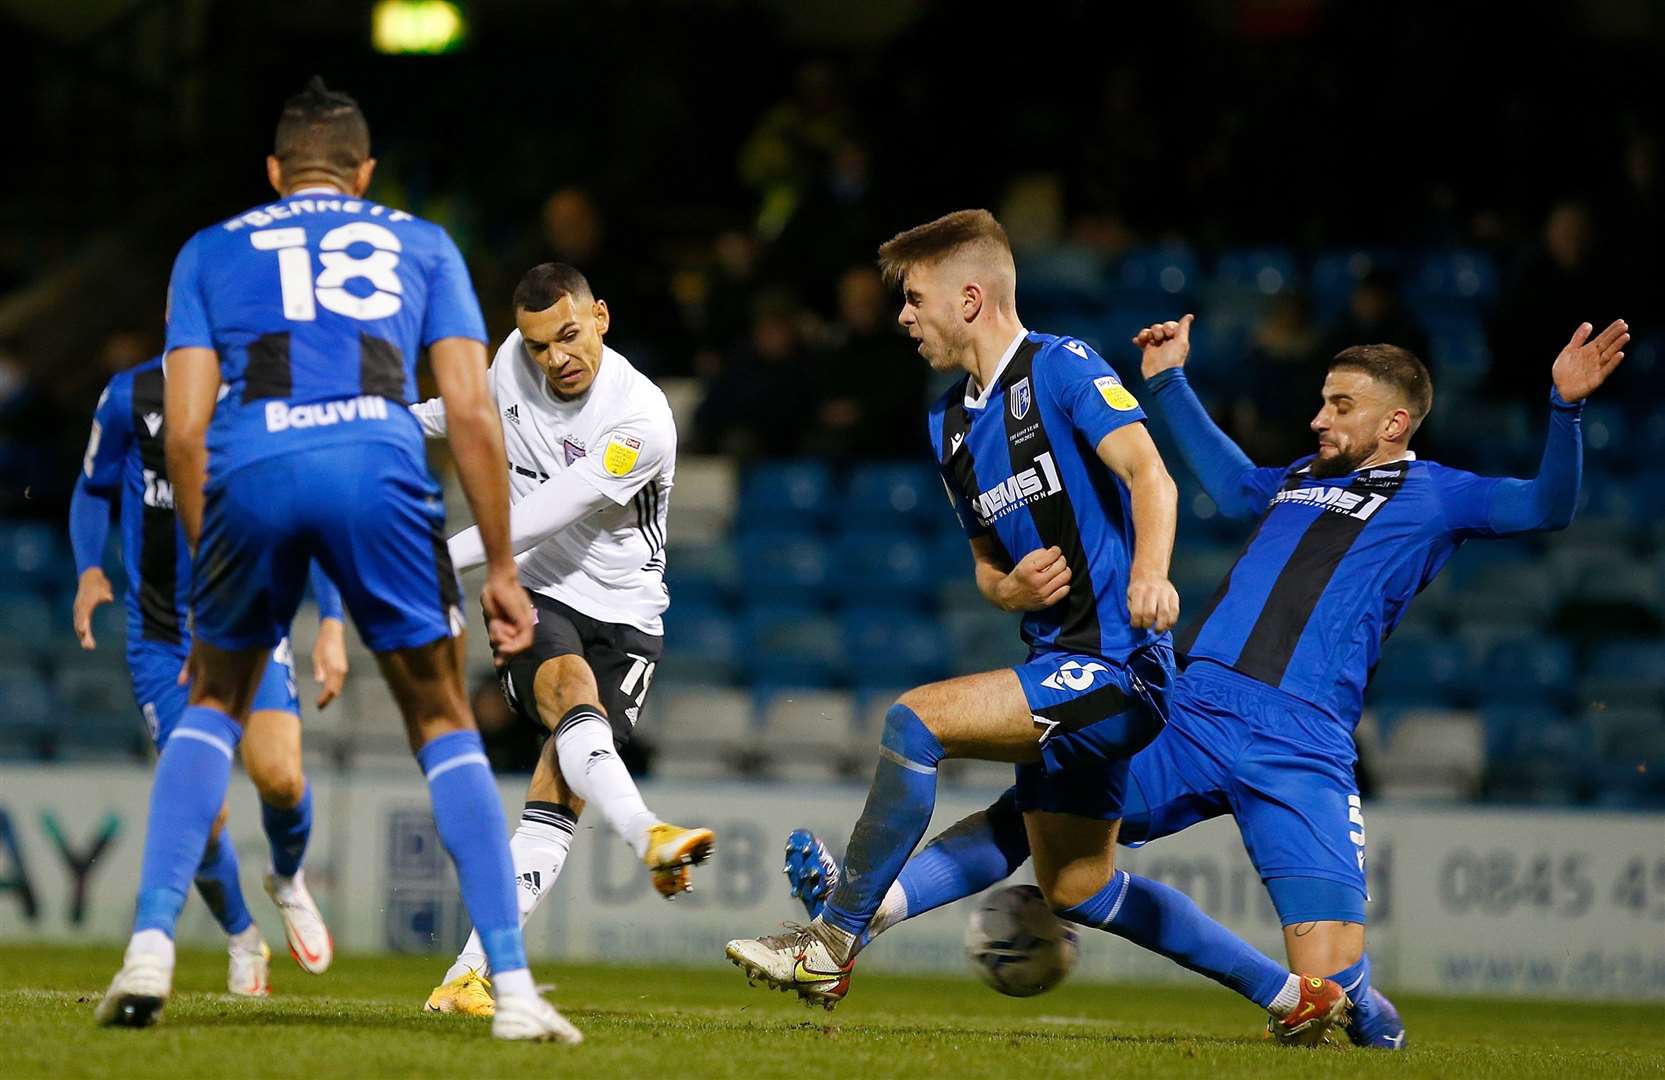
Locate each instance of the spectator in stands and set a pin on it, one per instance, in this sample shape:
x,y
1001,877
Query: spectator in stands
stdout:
x,y
792,143
1561,279
871,386
1284,351
762,398
1376,316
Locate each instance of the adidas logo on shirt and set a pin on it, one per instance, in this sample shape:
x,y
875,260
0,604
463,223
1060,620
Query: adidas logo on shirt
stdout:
x,y
512,414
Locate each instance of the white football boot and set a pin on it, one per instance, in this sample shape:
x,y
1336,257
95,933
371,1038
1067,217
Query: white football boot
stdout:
x,y
530,1018
137,993
310,942
249,973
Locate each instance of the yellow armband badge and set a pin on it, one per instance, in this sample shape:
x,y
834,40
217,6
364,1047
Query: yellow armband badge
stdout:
x,y
621,455
1115,394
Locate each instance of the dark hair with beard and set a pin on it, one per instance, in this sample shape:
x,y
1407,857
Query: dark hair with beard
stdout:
x,y
321,130
1396,367
543,286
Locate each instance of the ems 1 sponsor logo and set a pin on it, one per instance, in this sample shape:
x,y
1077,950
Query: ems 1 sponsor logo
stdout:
x,y
1334,499
281,416
1039,481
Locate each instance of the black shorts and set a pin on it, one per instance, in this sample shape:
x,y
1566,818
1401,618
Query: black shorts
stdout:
x,y
622,658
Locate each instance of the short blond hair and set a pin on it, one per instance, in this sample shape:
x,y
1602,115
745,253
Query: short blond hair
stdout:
x,y
971,232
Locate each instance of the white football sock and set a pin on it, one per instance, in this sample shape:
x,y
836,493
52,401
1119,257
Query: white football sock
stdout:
x,y
515,984
248,940
1287,998
892,910
539,847
591,768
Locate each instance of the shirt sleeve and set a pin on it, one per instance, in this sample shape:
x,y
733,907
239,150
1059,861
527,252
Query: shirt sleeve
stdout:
x,y
1488,506
89,526
110,438
1087,391
325,593
431,415
634,453
187,308
453,309
1237,486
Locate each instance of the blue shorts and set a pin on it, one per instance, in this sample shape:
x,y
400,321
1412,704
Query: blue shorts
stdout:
x,y
1091,715
368,512
1282,767
155,671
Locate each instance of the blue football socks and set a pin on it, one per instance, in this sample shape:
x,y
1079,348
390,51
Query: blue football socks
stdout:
x,y
287,831
185,797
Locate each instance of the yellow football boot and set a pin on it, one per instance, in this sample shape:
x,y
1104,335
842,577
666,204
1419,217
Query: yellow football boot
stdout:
x,y
671,851
469,994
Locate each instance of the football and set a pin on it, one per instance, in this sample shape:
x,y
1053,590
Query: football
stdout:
x,y
1017,945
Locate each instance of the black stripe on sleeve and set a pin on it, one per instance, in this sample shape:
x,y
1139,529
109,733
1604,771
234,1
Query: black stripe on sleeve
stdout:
x,y
1304,578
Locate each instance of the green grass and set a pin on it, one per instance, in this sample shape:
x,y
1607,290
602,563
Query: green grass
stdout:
x,y
363,1020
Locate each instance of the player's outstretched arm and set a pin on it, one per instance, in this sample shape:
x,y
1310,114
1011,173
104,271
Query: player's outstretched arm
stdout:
x,y
329,651
1152,600
477,445
190,391
1238,488
1547,501
89,528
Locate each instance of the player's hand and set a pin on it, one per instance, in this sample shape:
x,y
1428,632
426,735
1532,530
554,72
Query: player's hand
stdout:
x,y
92,590
1165,345
1039,580
329,659
1152,603
508,614
1584,364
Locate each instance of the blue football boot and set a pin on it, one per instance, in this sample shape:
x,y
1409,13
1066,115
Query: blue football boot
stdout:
x,y
810,870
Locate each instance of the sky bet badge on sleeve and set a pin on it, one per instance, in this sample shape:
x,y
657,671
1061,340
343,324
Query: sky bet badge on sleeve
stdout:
x,y
622,452
1115,394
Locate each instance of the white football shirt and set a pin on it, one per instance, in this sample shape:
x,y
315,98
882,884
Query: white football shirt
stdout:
x,y
620,439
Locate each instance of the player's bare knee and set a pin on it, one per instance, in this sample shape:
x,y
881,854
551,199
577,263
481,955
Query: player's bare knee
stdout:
x,y
278,780
561,685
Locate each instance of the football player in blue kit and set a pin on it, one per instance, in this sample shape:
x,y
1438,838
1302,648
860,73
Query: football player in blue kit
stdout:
x,y
1070,514
1261,720
124,463
302,318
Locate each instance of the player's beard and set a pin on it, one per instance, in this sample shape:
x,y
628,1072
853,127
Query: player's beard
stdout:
x,y
1342,463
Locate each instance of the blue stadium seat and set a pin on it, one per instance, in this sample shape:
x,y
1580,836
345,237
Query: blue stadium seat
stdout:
x,y
1259,271
34,558
890,570
28,626
781,647
1627,787
705,577
893,497
1620,599
26,712
1527,671
787,568
1156,273
950,552
95,694
1451,281
101,734
786,496
1608,442
1625,673
701,647
982,640
1420,671
1511,729
1628,736
1459,352
889,648
1514,592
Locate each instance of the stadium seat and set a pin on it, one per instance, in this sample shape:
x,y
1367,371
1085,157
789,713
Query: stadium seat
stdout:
x,y
1619,599
705,576
1513,592
1528,671
1263,272
701,647
1156,273
990,776
883,570
950,555
892,498
1628,787
34,558
27,626
1429,754
1628,736
785,568
1622,674
704,501
1513,731
810,735
1455,281
786,496
1459,353
703,733
26,712
893,648
1335,274
785,647
1417,670
982,639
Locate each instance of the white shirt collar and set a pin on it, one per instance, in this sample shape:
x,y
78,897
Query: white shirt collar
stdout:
x,y
982,397
1409,455
317,191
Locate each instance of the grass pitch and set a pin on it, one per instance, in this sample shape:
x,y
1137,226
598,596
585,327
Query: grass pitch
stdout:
x,y
363,1019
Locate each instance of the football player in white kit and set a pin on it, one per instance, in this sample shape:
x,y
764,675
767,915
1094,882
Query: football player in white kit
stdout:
x,y
592,456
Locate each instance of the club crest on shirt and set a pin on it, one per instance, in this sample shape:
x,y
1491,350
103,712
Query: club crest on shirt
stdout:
x,y
573,449
621,454
1019,398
